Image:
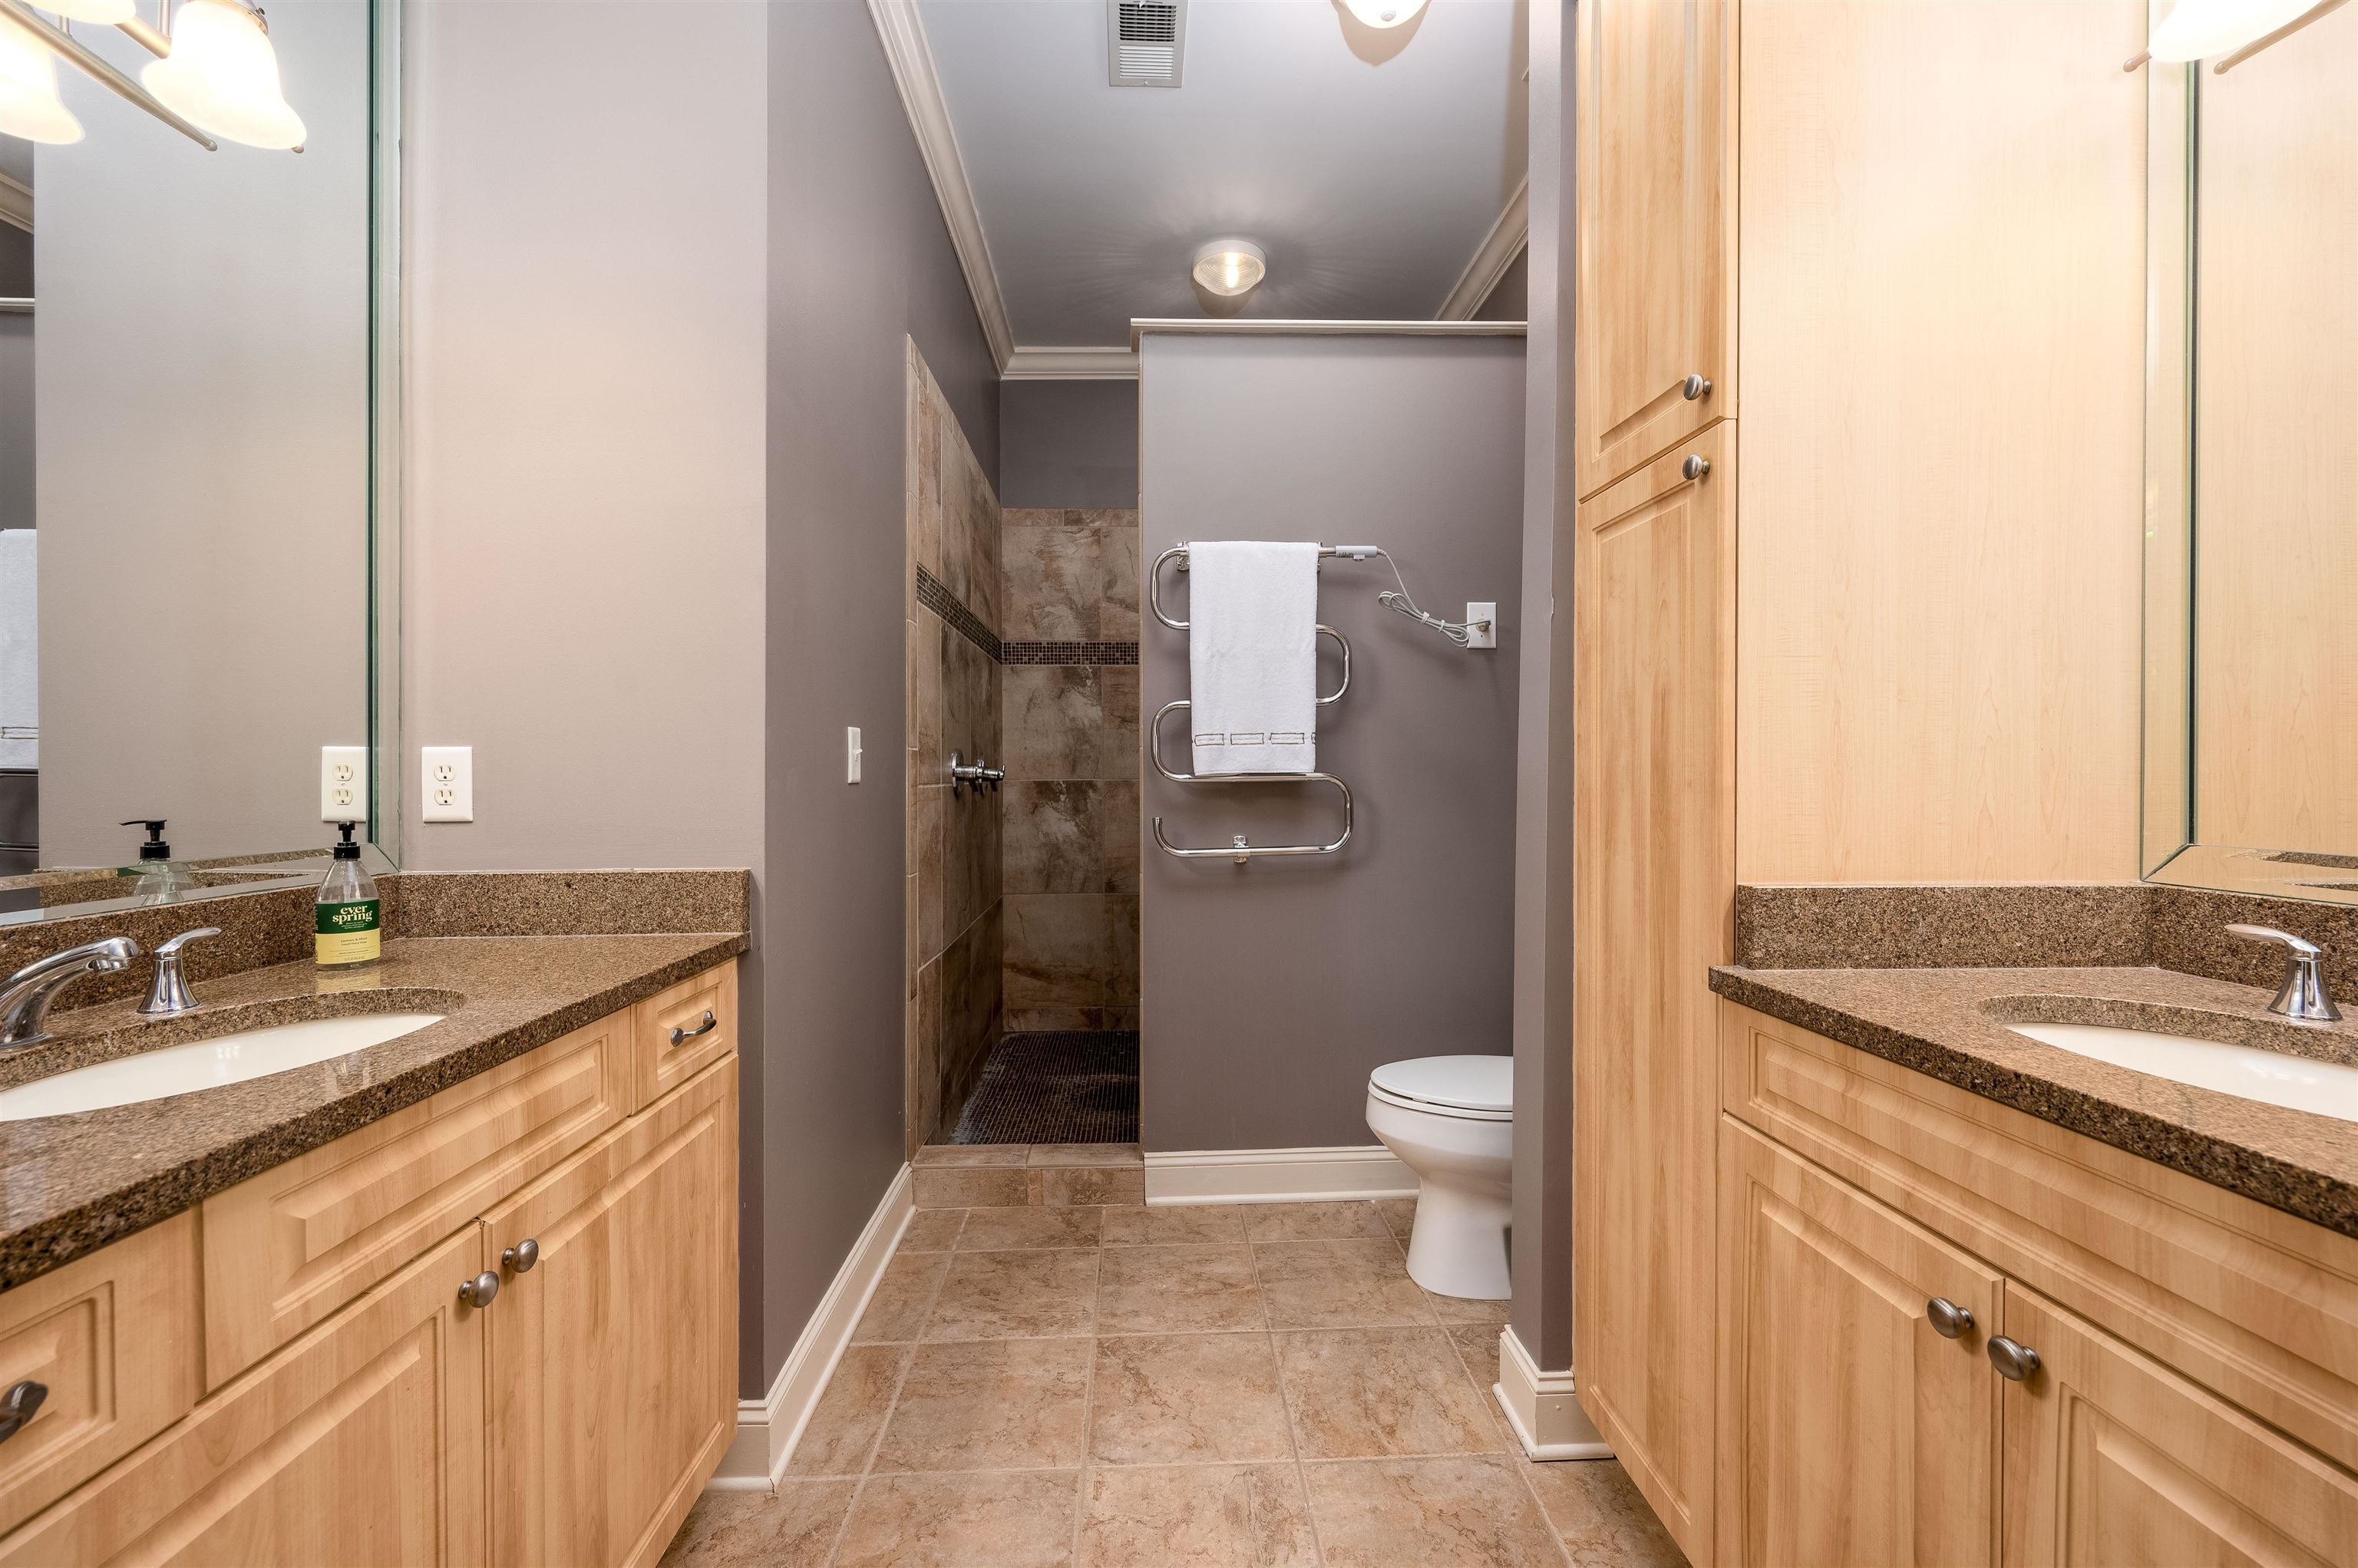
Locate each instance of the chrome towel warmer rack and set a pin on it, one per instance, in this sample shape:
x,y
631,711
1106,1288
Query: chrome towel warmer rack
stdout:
x,y
1238,848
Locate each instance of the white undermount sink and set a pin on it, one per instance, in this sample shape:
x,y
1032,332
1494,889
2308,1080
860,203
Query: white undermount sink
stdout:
x,y
206,1064
2273,1077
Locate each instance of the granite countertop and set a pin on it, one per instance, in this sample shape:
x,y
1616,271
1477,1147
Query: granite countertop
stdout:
x,y
1949,1023
69,1185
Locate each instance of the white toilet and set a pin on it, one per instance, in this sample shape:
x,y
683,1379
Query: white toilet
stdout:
x,y
1452,1120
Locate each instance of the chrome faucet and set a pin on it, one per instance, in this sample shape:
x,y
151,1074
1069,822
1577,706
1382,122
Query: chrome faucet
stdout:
x,y
2302,993
25,999
168,993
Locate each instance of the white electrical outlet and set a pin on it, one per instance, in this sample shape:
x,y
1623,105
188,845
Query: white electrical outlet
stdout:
x,y
1481,625
450,782
344,784
851,754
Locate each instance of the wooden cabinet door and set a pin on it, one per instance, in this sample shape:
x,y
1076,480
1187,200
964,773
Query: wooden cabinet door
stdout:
x,y
1656,282
614,1357
1654,908
1856,1435
361,1442
2112,1459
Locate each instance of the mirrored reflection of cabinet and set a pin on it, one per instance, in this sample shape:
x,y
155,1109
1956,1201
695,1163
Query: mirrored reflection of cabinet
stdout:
x,y
2191,1388
1656,278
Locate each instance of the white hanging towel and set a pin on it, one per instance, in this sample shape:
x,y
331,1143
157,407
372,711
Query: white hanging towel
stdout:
x,y
20,669
1252,656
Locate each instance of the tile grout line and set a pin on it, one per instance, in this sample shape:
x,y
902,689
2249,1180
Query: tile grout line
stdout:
x,y
1088,1403
892,1406
1292,1442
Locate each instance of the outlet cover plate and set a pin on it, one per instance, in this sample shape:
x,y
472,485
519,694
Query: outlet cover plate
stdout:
x,y
1479,635
344,784
446,781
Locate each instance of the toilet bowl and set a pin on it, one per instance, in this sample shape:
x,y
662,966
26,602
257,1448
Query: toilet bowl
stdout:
x,y
1450,1120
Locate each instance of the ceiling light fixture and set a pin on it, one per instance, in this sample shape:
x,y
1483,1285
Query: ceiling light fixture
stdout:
x,y
223,75
29,105
1384,13
2197,29
105,13
1230,268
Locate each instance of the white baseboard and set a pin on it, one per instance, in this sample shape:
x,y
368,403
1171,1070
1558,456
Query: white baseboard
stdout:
x,y
768,1428
1277,1175
1540,1406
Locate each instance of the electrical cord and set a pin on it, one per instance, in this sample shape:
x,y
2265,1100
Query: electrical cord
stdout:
x,y
1459,632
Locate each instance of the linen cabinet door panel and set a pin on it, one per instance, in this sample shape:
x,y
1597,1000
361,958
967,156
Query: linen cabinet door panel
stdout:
x,y
361,1443
1855,1434
111,1341
1656,280
1655,825
614,1355
287,1247
2113,1460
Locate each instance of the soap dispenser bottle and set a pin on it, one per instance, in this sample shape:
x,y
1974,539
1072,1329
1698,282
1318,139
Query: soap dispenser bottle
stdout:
x,y
161,878
347,913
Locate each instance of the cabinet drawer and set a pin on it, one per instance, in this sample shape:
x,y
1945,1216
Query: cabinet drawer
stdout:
x,y
114,1338
284,1250
683,1030
2256,1305
363,1443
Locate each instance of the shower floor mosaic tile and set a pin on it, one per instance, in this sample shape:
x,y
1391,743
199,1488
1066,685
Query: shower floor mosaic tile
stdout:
x,y
1258,1386
1055,1087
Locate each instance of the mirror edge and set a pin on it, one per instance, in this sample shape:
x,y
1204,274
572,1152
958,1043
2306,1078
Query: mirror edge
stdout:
x,y
385,496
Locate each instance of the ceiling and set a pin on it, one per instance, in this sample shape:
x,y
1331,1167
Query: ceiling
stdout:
x,y
1369,165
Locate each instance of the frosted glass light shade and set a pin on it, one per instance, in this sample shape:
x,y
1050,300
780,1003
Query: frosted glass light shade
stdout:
x,y
105,13
29,105
223,75
1231,268
1384,13
2197,29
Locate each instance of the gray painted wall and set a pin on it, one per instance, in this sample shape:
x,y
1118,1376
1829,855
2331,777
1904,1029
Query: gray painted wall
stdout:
x,y
201,363
1271,990
857,258
586,453
1068,443
1543,1185
1509,298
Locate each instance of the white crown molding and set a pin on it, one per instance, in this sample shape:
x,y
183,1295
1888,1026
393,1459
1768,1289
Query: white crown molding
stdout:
x,y
15,203
1496,253
1115,364
912,59
1185,327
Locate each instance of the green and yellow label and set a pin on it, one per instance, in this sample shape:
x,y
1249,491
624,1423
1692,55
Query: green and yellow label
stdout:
x,y
347,932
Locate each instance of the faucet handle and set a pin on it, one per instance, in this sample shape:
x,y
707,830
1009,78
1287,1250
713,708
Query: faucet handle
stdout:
x,y
172,950
2302,994
2299,947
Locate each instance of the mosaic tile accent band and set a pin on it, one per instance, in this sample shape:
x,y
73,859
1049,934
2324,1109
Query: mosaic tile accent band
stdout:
x,y
1068,652
938,599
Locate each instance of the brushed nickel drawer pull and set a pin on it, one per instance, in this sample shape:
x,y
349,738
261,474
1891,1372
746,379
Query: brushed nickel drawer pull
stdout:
x,y
681,1036
20,1404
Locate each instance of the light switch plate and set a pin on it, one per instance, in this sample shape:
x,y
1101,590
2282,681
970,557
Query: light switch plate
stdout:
x,y
851,754
1477,634
344,784
449,781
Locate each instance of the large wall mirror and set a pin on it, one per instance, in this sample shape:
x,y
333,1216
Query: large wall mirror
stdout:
x,y
2251,767
197,443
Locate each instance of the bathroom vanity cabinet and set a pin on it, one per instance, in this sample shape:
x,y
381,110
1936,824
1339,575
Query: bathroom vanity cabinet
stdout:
x,y
2195,1397
498,1326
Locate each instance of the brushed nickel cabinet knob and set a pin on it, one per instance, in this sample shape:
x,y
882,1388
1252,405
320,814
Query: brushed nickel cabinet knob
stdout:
x,y
1694,387
520,1258
1948,1319
479,1291
2014,1360
1695,467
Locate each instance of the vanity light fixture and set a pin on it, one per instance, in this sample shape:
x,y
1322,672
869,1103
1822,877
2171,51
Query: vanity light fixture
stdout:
x,y
29,105
2238,29
1384,13
1230,268
222,74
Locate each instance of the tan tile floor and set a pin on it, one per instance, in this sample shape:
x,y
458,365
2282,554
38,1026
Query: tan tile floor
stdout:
x,y
1261,1387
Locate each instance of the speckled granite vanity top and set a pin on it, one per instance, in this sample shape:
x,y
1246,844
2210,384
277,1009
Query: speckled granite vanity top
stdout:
x,y
69,1185
1951,1024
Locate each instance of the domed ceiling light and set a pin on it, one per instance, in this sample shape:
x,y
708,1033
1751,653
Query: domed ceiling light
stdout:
x,y
1230,268
105,13
29,105
222,74
1384,13
2197,29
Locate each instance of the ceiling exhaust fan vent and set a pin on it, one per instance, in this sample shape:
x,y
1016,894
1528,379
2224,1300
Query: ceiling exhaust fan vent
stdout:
x,y
1143,41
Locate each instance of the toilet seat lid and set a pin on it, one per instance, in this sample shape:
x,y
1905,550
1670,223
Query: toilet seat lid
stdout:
x,y
1457,1083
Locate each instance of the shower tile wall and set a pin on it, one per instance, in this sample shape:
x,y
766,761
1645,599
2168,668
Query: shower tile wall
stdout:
x,y
1069,606
956,918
